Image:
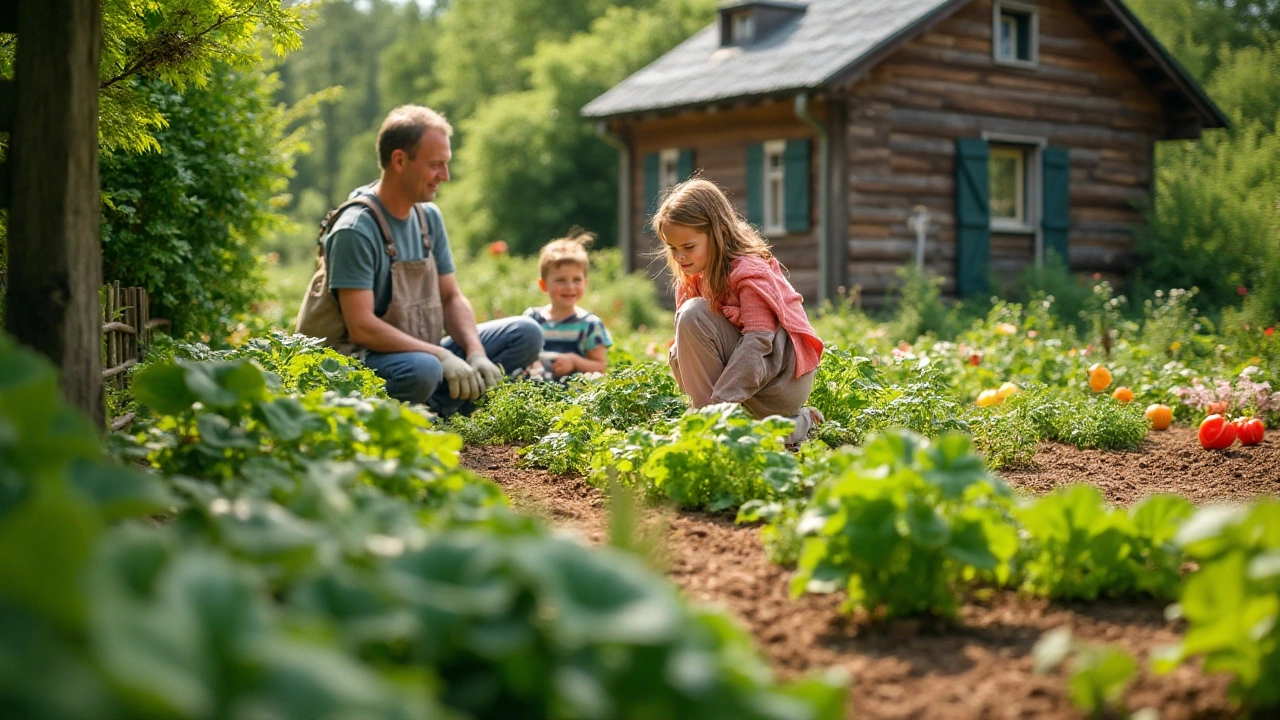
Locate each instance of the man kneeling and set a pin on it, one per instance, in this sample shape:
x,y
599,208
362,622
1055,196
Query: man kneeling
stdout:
x,y
385,260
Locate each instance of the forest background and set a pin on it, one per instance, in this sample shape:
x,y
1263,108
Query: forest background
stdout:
x,y
229,128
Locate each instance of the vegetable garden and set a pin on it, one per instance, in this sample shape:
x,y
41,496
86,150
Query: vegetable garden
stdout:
x,y
274,538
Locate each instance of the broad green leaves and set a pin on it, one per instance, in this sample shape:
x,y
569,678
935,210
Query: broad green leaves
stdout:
x,y
905,526
1079,547
1232,603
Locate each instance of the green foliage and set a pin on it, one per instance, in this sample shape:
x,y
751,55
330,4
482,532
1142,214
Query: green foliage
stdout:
x,y
715,458
295,364
293,585
923,404
1099,421
1006,436
1231,604
843,387
1098,674
905,527
1079,548
513,412
186,222
918,307
178,44
529,168
570,444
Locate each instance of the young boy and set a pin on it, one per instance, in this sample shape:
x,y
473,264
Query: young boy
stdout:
x,y
574,340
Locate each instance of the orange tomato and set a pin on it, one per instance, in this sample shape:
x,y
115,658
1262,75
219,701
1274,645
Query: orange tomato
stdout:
x,y
1161,416
1218,408
1099,377
1123,394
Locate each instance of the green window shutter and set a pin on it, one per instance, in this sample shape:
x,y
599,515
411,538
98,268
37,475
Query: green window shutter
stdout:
x,y
795,180
650,189
684,165
1057,203
755,184
973,216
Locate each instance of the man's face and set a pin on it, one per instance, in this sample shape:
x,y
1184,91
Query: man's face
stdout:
x,y
428,167
564,285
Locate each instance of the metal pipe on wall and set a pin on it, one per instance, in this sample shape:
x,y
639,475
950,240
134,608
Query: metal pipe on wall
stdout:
x,y
824,178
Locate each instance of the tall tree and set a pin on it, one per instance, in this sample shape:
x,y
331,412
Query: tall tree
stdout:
x,y
530,167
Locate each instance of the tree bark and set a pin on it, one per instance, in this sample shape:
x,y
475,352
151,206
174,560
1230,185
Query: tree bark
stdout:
x,y
55,255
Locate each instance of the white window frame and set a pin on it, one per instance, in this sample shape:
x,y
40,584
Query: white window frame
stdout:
x,y
742,27
1033,187
775,218
668,168
998,9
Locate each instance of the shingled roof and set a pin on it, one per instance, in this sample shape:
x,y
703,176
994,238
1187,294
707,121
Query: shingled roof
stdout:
x,y
828,41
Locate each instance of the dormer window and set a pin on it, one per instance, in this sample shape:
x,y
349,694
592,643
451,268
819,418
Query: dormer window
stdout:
x,y
743,22
1015,33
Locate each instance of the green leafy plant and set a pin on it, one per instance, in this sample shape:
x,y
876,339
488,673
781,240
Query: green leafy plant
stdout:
x,y
1078,547
715,458
1097,677
513,412
906,527
1231,604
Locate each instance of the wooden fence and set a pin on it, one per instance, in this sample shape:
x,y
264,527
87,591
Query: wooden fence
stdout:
x,y
127,327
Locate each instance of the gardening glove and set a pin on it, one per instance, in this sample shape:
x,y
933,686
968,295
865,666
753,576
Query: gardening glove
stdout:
x,y
464,383
489,373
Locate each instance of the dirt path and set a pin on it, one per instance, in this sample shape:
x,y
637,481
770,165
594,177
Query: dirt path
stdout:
x,y
981,667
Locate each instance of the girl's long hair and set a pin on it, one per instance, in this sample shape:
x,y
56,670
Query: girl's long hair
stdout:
x,y
701,204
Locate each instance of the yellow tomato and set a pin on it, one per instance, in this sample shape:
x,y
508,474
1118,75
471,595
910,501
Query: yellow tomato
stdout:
x,y
1008,389
987,398
1099,377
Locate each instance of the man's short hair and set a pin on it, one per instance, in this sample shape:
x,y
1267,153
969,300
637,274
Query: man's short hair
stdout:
x,y
570,250
403,130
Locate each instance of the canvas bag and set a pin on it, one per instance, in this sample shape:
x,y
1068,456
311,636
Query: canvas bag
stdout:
x,y
319,314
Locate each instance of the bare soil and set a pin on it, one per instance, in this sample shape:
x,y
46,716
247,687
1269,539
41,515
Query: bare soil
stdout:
x,y
976,668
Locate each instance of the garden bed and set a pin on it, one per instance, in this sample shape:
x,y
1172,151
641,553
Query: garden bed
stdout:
x,y
980,667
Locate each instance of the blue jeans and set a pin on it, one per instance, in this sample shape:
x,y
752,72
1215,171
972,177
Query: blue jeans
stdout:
x,y
511,343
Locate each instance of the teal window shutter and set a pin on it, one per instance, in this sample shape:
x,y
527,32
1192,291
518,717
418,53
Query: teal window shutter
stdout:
x,y
684,165
650,189
755,184
795,181
973,216
1057,203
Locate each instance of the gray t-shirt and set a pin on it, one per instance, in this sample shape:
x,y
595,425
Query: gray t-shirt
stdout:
x,y
357,259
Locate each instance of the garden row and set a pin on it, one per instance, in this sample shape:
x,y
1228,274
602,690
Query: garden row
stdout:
x,y
904,525
277,549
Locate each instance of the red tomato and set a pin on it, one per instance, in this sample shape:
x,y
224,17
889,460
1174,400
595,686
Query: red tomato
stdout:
x,y
975,358
1249,430
1216,433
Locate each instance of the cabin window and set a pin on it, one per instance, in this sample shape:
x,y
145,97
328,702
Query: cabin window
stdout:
x,y
1007,170
742,27
775,196
668,168
1015,32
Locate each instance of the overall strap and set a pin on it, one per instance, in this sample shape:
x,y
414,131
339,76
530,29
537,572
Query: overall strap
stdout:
x,y
364,201
422,223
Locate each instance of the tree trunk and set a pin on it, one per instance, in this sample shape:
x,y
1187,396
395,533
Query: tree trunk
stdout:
x,y
55,256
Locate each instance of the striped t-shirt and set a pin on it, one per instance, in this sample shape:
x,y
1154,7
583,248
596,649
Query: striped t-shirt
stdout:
x,y
579,333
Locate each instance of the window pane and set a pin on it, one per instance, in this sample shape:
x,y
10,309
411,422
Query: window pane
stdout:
x,y
1004,186
1008,34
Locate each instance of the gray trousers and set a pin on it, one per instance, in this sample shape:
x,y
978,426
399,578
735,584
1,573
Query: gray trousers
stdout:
x,y
713,361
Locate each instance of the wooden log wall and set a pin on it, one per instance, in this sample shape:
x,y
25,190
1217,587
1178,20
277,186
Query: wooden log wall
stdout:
x,y
719,142
907,112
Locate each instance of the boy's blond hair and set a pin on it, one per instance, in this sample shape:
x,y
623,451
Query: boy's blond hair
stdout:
x,y
568,250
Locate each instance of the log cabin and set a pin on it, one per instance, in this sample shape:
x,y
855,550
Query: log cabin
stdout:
x,y
972,137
